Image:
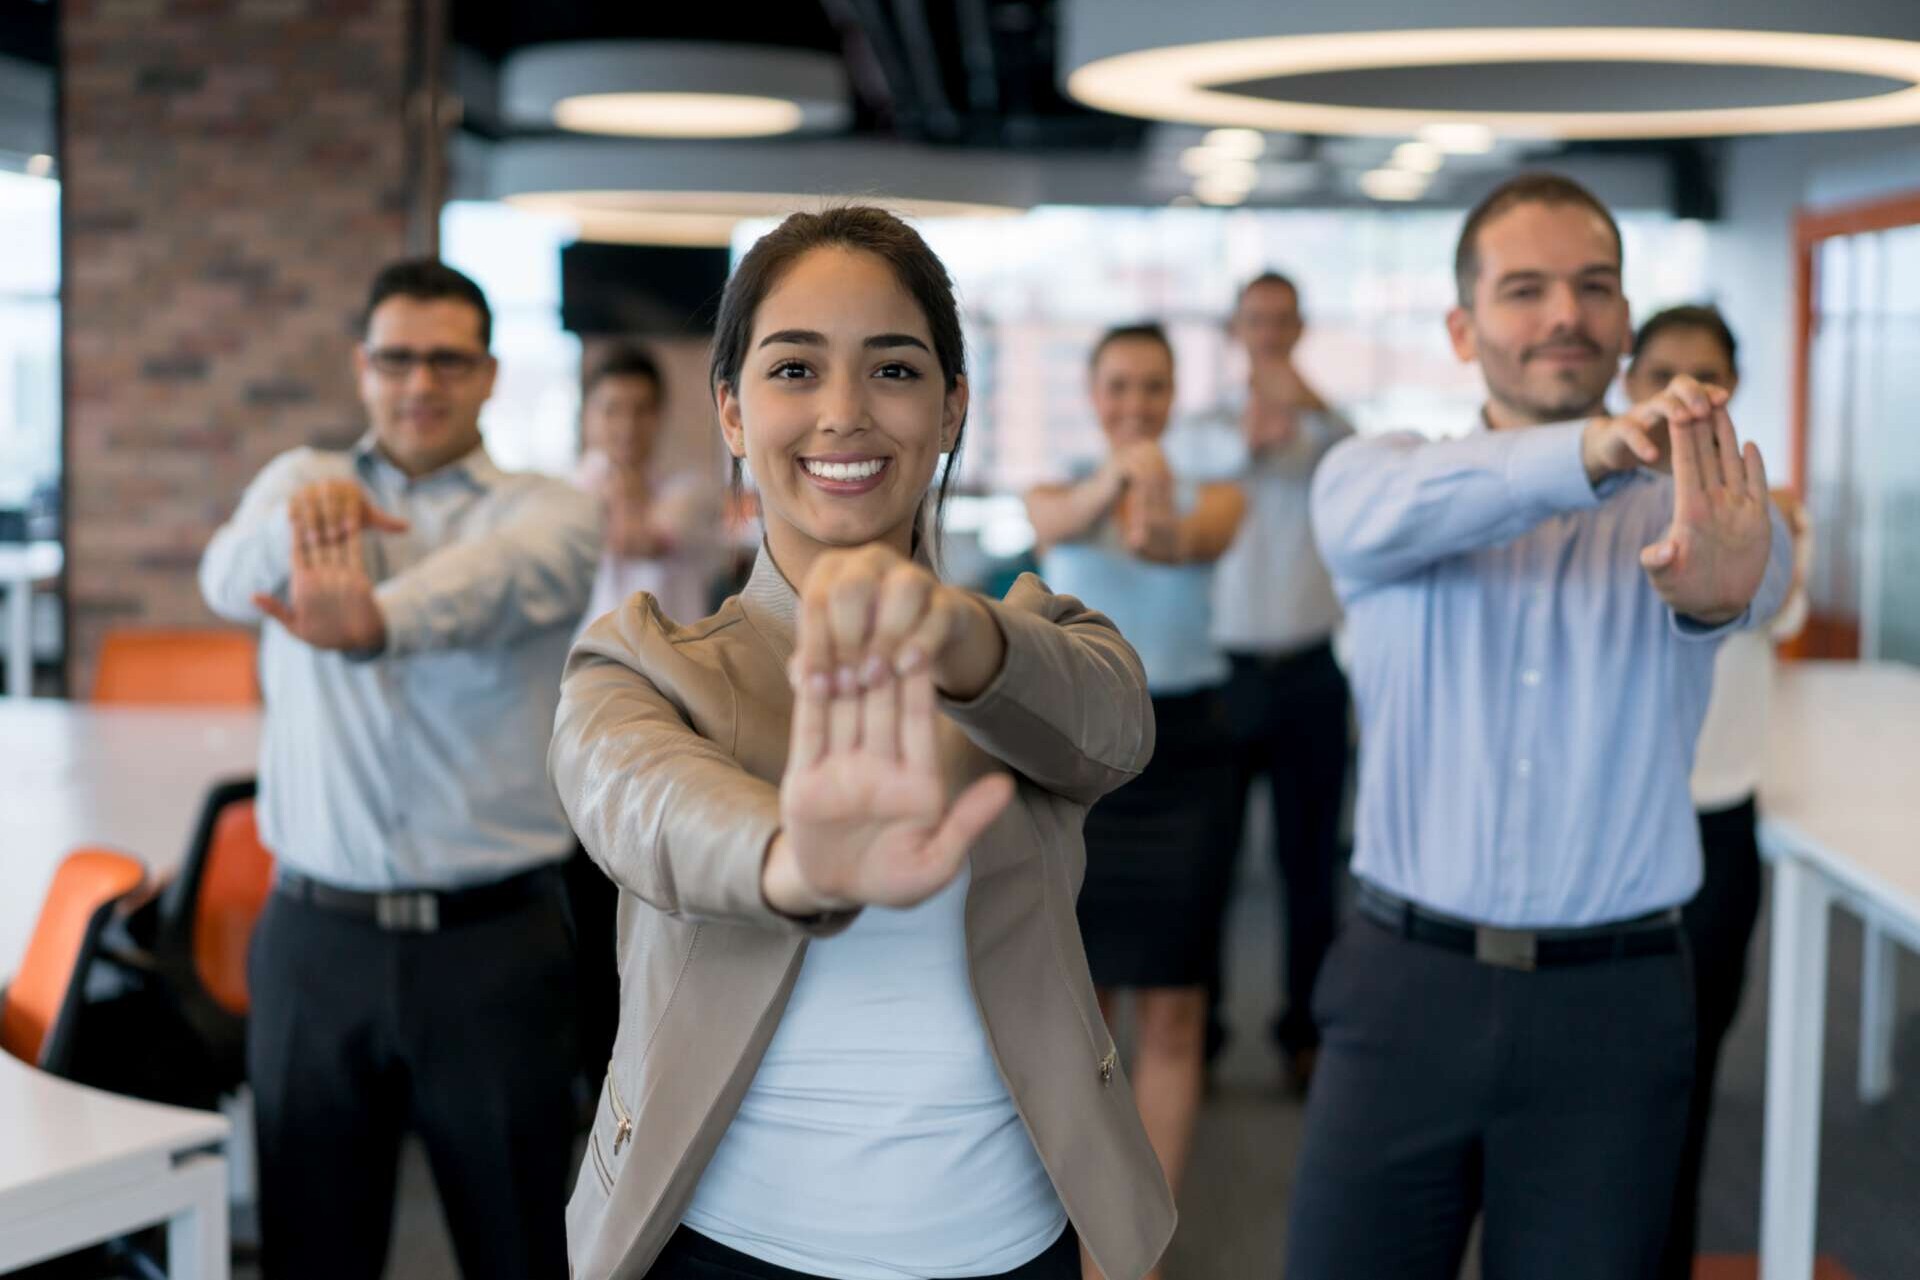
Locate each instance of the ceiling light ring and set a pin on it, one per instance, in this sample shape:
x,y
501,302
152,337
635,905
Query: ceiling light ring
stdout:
x,y
1176,82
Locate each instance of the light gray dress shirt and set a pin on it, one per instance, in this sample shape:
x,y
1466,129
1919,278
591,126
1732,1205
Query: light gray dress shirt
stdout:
x,y
423,766
1528,704
1271,594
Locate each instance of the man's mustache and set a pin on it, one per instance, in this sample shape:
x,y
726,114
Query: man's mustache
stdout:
x,y
1571,343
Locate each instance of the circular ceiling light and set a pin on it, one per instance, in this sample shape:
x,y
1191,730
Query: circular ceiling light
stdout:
x,y
677,115
674,89
1535,68
704,218
672,193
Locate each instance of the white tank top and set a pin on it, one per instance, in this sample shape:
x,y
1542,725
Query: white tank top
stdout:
x,y
877,1141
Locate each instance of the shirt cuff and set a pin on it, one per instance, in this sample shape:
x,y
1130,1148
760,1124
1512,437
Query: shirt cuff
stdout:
x,y
1544,468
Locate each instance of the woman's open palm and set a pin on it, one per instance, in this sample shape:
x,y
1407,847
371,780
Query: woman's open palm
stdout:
x,y
863,803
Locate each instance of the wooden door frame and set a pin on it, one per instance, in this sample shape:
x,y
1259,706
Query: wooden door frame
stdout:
x,y
1811,228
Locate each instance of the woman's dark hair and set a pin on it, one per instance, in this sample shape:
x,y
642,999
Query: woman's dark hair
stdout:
x,y
1146,330
1705,318
859,228
625,360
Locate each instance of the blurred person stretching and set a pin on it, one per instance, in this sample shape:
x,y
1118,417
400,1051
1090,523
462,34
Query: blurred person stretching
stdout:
x,y
413,968
661,530
1695,342
1533,611
1274,615
1137,541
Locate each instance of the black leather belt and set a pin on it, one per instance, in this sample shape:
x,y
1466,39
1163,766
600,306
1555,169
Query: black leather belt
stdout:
x,y
421,910
1648,935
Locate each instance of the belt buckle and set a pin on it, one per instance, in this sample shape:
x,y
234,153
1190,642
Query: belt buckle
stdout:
x,y
1506,948
407,912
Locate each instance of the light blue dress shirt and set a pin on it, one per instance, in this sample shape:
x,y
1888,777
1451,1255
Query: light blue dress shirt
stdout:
x,y
1528,704
1164,610
424,766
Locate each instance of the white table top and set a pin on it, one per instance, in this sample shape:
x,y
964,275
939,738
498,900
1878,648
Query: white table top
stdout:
x,y
29,561
132,778
1842,786
64,1139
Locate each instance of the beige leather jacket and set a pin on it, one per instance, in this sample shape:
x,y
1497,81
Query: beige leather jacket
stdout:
x,y
667,752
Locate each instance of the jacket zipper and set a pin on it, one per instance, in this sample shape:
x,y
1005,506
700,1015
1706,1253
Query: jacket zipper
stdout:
x,y
623,1123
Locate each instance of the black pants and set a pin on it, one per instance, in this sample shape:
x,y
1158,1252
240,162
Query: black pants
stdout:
x,y
1719,924
465,1035
692,1256
1553,1101
1288,721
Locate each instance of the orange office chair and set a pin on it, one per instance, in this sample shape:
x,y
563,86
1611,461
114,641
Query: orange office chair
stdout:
x,y
204,668
207,912
40,1007
183,961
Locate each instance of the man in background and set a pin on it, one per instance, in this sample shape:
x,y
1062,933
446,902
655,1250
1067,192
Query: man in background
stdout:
x,y
413,968
1274,614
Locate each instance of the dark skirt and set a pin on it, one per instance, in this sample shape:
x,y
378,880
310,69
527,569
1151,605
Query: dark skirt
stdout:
x,y
1158,856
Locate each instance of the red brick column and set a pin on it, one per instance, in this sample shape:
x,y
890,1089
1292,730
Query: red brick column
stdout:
x,y
235,172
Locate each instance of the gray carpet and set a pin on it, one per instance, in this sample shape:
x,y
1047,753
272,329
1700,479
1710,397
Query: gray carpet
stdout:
x,y
1233,1215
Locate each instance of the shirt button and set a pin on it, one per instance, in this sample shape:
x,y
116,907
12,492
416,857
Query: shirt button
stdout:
x,y
1530,677
1524,768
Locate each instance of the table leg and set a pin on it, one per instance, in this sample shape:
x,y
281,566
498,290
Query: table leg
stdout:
x,y
197,1245
19,638
1877,1014
1796,1033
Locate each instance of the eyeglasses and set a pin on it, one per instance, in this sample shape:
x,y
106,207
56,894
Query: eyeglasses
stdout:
x,y
441,362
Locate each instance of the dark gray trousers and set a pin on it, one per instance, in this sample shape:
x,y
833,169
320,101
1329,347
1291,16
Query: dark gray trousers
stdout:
x,y
1554,1102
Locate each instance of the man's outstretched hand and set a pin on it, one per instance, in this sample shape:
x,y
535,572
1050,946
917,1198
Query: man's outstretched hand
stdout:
x,y
329,602
1714,554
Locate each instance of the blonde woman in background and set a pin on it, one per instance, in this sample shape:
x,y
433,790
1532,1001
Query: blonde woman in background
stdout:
x,y
1695,341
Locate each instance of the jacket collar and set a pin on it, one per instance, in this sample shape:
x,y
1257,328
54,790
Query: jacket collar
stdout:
x,y
771,603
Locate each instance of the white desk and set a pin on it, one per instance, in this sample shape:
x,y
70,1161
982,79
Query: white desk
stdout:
x,y
128,777
78,1166
1841,807
21,565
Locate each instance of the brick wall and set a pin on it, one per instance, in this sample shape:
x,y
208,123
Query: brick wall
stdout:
x,y
235,172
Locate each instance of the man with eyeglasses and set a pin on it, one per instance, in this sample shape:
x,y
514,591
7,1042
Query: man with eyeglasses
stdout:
x,y
413,969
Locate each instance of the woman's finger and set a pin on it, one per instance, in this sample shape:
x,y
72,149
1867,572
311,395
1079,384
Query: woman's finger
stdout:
x,y
808,739
904,596
922,648
843,721
849,619
972,813
880,719
813,640
919,742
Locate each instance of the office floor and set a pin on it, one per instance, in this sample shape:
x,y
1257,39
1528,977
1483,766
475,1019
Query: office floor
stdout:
x,y
1233,1212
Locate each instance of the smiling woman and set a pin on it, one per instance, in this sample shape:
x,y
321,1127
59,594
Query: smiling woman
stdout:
x,y
860,790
